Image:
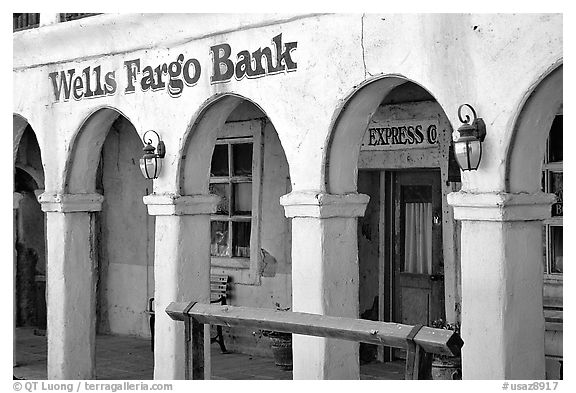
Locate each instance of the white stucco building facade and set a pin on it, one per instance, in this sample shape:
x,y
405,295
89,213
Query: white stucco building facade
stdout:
x,y
312,214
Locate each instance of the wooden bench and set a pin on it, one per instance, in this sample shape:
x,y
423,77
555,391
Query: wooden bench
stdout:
x,y
219,292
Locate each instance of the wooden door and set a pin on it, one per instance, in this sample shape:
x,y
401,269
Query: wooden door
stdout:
x,y
417,247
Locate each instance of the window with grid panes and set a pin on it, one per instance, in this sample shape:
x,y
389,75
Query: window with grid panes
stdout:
x,y
552,182
234,176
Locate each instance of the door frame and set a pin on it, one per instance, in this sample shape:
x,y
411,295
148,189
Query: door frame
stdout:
x,y
387,286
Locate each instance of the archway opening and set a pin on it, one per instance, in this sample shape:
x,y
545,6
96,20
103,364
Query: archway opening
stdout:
x,y
126,235
398,140
105,160
528,143
535,163
30,244
30,248
234,152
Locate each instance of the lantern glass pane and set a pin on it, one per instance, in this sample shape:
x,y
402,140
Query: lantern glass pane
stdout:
x,y
150,167
474,153
158,163
460,152
468,154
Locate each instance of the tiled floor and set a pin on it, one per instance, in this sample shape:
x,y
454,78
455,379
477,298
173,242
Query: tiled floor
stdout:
x,y
130,358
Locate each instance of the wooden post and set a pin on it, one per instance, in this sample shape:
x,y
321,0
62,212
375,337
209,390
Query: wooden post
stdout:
x,y
187,347
425,366
193,349
191,345
412,354
197,349
418,361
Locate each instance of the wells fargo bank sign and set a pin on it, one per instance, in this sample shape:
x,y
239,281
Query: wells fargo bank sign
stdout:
x,y
174,76
405,134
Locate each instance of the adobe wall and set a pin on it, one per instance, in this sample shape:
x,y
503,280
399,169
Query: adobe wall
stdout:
x,y
301,105
490,61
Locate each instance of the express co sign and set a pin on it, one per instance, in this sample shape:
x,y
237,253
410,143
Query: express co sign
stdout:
x,y
405,134
174,76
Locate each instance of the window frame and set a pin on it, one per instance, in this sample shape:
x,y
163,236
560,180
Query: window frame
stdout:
x,y
557,221
236,133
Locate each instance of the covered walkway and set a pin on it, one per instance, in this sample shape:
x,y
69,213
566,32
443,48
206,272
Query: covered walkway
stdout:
x,y
130,358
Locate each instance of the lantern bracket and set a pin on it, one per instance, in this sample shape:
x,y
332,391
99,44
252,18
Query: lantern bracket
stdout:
x,y
471,127
159,143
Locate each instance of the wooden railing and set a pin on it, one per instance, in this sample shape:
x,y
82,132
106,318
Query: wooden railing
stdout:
x,y
419,341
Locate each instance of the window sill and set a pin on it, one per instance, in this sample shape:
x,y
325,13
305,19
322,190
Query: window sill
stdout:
x,y
234,263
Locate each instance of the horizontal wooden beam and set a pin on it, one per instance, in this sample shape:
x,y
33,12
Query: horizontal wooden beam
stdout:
x,y
439,341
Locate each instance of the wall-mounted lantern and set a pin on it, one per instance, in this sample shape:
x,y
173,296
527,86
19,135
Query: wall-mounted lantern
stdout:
x,y
468,140
151,162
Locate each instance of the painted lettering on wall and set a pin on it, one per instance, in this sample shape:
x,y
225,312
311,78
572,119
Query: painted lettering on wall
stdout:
x,y
396,135
171,77
175,75
90,83
278,58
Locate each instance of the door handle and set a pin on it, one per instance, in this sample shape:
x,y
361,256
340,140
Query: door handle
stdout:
x,y
436,277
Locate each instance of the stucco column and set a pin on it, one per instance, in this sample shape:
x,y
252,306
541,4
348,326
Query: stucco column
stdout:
x,y
181,272
324,277
71,283
502,271
17,197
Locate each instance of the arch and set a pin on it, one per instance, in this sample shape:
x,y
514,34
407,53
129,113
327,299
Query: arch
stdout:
x,y
82,162
19,125
35,174
194,165
24,180
528,142
348,128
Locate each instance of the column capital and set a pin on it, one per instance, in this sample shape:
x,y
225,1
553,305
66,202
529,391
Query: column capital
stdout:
x,y
321,205
180,205
501,206
16,200
70,203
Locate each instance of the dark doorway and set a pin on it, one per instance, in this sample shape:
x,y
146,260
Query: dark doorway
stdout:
x,y
400,251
